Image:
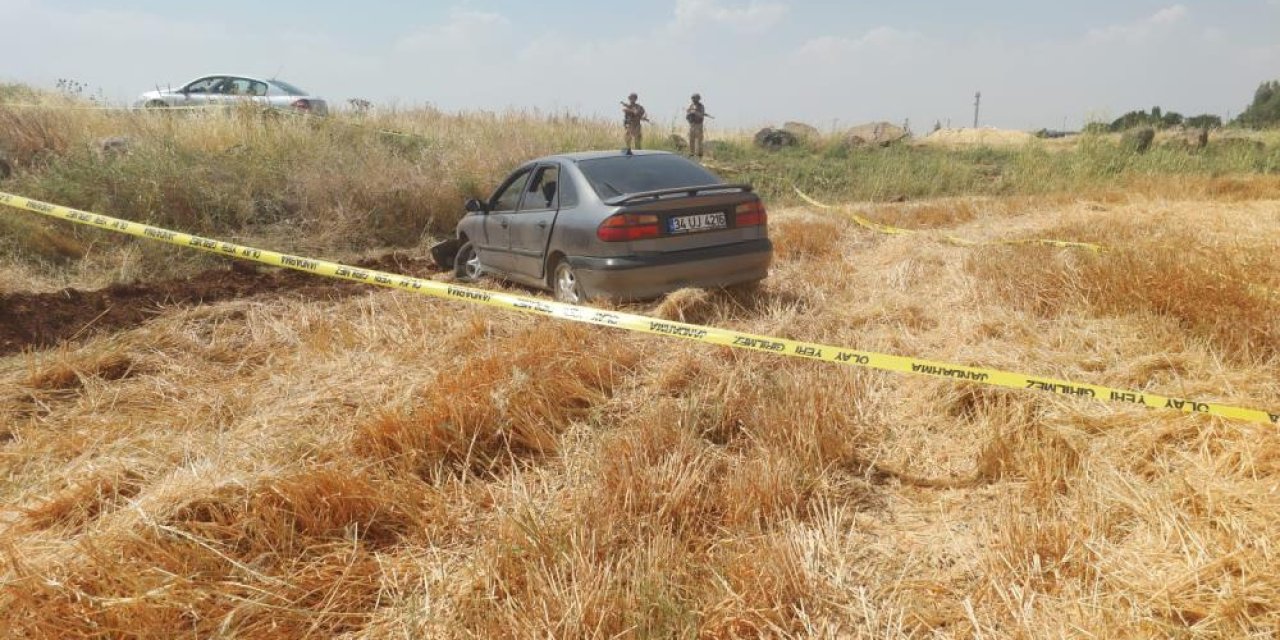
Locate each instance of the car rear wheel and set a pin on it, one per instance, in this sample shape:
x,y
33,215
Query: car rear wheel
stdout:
x,y
565,284
466,266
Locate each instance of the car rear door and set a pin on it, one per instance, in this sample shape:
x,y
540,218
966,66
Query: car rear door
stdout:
x,y
243,90
495,251
532,224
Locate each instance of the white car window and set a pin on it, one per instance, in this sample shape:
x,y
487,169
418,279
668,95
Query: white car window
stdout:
x,y
204,85
244,87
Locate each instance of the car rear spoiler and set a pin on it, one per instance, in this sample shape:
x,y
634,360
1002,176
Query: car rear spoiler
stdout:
x,y
628,198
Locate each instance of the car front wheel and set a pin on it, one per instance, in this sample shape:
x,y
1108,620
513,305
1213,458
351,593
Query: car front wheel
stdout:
x,y
565,284
466,266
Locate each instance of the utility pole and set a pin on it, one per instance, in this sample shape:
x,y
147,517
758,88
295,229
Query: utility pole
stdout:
x,y
977,101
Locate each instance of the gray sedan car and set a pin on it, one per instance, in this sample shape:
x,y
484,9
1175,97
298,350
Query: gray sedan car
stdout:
x,y
223,89
621,225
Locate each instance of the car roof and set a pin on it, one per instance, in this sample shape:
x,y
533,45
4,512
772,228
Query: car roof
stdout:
x,y
579,156
234,75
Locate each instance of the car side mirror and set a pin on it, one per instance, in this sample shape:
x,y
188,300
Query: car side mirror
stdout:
x,y
475,206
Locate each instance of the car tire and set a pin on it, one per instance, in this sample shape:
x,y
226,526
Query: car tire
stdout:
x,y
466,265
157,104
565,284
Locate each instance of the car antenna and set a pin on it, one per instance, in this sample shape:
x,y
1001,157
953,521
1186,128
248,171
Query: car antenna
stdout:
x,y
278,70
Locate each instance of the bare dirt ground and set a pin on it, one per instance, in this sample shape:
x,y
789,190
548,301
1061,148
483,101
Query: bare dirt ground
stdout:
x,y
39,320
255,462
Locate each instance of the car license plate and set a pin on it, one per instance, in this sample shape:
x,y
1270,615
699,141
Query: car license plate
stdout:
x,y
699,222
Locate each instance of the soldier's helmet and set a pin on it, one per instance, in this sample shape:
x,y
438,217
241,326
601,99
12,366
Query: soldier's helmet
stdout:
x,y
632,96
696,97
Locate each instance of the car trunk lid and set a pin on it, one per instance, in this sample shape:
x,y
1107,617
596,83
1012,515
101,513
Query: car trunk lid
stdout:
x,y
706,219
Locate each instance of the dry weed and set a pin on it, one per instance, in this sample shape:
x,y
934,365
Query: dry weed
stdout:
x,y
385,466
1212,294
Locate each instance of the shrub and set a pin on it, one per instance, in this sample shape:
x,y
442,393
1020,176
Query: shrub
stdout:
x,y
1138,140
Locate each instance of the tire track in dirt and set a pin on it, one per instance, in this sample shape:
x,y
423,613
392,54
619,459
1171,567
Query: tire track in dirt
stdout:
x,y
41,320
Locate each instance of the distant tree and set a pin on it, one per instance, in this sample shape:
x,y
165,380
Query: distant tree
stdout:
x,y
1129,121
1158,118
1264,112
1204,121
1097,127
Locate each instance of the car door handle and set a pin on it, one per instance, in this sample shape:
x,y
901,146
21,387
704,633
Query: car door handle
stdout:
x,y
542,225
504,223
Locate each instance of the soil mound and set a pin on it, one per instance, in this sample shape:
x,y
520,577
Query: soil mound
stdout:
x,y
984,137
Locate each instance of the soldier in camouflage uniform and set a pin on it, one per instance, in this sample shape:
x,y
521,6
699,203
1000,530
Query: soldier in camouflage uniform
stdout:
x,y
632,115
695,114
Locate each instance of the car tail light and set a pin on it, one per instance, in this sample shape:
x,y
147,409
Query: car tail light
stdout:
x,y
623,227
750,214
301,104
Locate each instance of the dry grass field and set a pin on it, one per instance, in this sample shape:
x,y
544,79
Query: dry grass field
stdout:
x,y
371,464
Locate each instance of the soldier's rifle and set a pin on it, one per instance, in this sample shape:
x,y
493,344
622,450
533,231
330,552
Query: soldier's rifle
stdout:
x,y
631,110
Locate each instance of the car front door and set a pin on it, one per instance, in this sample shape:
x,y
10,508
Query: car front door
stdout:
x,y
532,223
201,92
495,252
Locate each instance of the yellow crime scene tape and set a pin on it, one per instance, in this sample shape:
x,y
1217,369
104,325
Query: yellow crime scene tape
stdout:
x,y
964,242
1253,287
645,324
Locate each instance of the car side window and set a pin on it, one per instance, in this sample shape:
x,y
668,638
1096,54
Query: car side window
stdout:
x,y
241,87
508,197
541,193
204,85
257,88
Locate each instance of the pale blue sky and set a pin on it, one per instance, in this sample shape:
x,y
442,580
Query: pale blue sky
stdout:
x,y
1038,64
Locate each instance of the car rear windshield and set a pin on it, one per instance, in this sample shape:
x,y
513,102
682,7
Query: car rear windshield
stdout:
x,y
288,88
621,175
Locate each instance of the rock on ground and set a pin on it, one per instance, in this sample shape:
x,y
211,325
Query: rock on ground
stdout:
x,y
801,130
771,138
875,134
